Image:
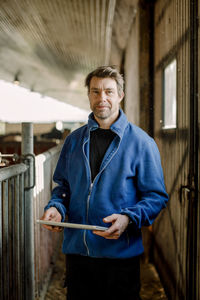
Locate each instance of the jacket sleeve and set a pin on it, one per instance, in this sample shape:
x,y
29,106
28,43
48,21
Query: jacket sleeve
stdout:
x,y
150,187
61,193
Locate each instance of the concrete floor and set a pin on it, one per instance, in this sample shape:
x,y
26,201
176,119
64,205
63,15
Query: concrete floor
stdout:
x,y
151,288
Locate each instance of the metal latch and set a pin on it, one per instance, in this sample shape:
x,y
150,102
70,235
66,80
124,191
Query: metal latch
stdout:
x,y
27,158
187,189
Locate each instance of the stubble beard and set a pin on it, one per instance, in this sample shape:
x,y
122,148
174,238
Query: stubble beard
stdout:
x,y
102,115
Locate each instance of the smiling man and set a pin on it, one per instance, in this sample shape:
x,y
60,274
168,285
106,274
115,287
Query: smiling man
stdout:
x,y
104,100
109,174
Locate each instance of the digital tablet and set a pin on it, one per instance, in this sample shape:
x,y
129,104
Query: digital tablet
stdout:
x,y
72,225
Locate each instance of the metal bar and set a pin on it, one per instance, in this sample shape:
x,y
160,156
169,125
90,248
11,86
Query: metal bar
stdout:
x,y
1,245
21,238
5,243
11,171
7,155
27,148
16,241
108,29
10,235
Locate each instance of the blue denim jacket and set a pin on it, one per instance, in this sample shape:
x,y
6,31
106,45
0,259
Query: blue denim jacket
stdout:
x,y
130,181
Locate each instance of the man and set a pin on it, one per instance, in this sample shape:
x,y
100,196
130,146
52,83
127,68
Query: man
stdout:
x,y
108,174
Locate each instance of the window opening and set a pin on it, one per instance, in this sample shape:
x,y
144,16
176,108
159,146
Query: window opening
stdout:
x,y
169,95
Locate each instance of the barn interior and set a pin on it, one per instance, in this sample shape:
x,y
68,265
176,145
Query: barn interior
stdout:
x,y
48,47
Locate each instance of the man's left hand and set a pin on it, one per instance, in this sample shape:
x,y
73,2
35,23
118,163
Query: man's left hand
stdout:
x,y
119,225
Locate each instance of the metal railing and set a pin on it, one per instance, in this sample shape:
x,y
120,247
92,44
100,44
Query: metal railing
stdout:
x,y
26,260
12,232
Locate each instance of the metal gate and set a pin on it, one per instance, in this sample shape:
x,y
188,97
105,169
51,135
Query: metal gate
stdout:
x,y
12,232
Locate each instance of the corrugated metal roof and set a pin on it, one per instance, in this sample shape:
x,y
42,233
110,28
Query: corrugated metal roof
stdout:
x,y
51,44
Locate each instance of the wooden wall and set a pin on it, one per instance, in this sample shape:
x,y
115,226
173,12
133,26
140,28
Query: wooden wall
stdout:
x,y
137,64
171,31
171,35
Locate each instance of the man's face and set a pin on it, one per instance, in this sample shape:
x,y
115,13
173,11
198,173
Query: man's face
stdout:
x,y
104,98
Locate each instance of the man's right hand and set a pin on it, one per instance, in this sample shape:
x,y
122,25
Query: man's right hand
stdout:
x,y
52,214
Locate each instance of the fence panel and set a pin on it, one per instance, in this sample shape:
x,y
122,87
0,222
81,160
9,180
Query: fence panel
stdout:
x,y
46,242
12,226
13,252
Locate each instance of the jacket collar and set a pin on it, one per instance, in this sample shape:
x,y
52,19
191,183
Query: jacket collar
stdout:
x,y
118,127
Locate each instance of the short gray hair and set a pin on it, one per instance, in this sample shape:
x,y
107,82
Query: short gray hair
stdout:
x,y
107,72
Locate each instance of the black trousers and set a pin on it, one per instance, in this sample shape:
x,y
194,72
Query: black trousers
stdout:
x,y
102,278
